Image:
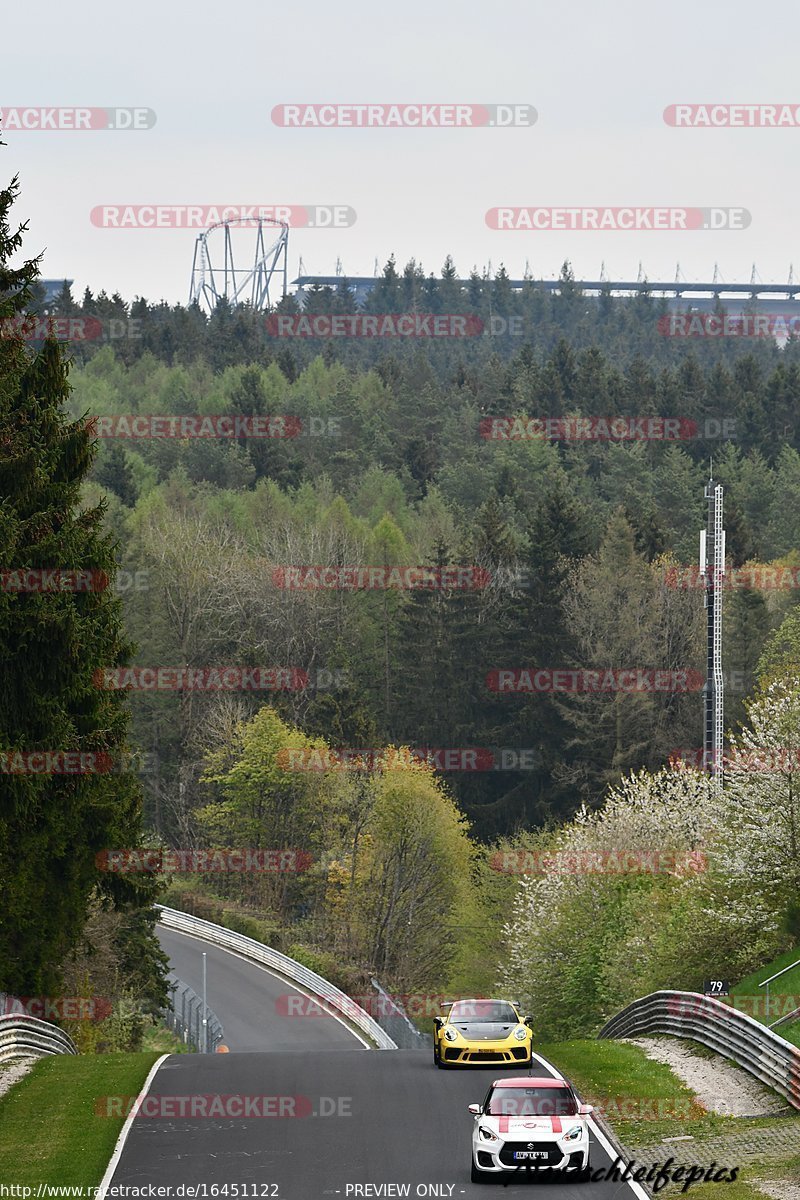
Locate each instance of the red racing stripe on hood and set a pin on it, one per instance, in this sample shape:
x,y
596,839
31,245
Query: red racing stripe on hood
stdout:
x,y
556,1123
504,1124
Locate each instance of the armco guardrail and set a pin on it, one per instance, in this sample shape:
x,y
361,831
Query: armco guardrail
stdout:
x,y
28,1037
754,1047
216,935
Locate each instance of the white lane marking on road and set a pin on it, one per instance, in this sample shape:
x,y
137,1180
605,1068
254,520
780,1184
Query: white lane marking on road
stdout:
x,y
636,1188
274,974
126,1128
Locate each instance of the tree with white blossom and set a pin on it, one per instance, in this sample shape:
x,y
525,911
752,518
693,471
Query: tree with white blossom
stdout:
x,y
581,931
759,840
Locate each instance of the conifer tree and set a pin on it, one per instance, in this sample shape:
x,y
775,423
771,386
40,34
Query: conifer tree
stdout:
x,y
52,644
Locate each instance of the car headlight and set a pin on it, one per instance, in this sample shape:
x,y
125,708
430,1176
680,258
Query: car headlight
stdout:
x,y
573,1134
487,1134
450,1034
520,1033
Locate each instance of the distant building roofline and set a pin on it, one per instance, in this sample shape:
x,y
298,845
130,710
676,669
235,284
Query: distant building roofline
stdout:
x,y
620,287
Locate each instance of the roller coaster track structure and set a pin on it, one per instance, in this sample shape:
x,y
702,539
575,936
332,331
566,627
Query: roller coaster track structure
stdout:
x,y
216,276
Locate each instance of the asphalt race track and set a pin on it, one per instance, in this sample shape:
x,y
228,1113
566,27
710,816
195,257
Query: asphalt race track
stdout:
x,y
250,1001
393,1119
342,1118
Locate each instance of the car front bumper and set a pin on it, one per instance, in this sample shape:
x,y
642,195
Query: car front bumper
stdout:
x,y
473,1053
499,1157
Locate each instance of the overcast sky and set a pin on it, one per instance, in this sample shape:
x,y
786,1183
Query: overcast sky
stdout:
x,y
599,76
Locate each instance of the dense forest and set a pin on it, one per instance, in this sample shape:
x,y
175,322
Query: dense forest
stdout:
x,y
424,750
388,462
502,323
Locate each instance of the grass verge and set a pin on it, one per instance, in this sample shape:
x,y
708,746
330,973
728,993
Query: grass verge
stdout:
x,y
157,1039
784,995
49,1131
645,1103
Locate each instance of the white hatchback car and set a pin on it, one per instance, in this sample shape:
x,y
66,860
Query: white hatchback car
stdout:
x,y
530,1124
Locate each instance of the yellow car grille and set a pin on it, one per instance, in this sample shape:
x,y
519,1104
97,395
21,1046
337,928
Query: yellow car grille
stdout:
x,y
465,1055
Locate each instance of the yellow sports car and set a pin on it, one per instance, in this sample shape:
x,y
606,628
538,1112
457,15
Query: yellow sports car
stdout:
x,y
482,1031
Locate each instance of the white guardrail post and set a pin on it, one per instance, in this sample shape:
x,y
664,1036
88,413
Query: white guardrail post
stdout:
x,y
28,1037
752,1046
216,935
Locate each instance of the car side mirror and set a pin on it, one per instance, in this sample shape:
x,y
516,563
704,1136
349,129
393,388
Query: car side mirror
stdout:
x,y
585,1109
529,1022
476,1109
438,1022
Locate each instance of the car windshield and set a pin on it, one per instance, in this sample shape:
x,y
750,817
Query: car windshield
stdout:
x,y
483,1010
532,1102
